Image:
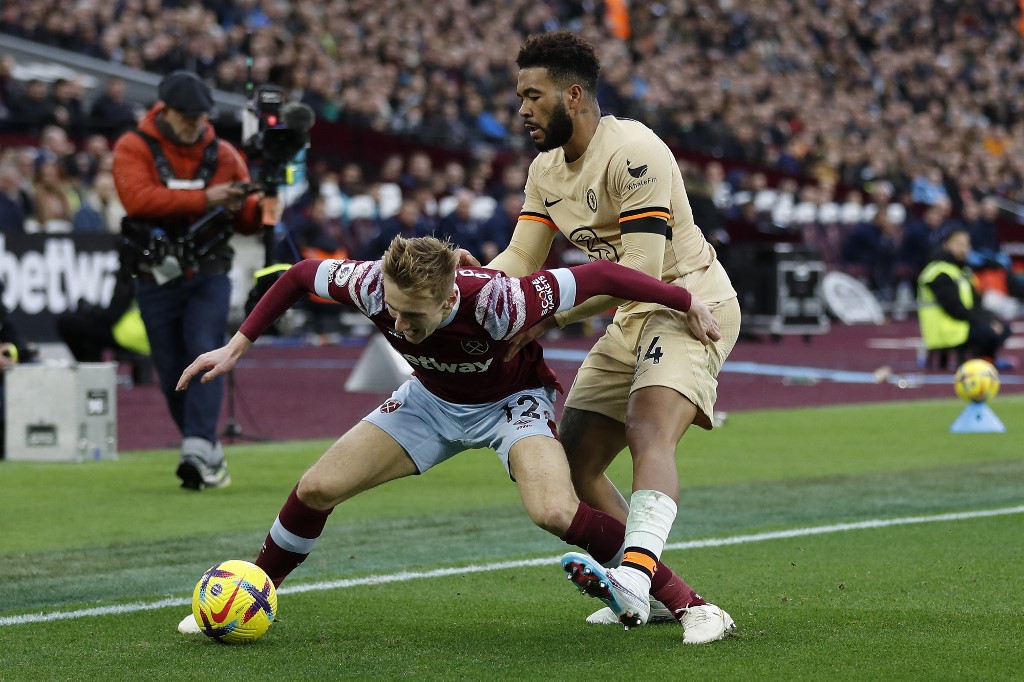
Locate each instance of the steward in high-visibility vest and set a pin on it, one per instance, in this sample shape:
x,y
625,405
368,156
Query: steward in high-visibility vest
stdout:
x,y
942,328
948,308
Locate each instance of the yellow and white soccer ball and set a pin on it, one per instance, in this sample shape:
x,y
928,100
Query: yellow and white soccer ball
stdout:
x,y
234,602
977,381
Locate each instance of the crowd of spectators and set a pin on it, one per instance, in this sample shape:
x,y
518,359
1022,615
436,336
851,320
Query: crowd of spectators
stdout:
x,y
58,186
925,96
881,123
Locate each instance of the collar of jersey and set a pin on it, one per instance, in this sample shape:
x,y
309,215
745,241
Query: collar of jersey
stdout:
x,y
455,308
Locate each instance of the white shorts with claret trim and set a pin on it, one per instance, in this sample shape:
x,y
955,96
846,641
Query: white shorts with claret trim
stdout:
x,y
432,430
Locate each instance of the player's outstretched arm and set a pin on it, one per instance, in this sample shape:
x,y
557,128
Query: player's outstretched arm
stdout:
x,y
605,277
289,288
216,362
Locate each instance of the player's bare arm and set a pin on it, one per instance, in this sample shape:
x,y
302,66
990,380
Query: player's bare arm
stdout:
x,y
215,363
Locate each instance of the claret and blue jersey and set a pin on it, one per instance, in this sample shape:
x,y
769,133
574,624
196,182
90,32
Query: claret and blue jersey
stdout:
x,y
463,360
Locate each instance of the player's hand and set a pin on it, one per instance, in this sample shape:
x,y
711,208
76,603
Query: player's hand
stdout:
x,y
534,332
271,208
701,322
466,259
228,195
215,363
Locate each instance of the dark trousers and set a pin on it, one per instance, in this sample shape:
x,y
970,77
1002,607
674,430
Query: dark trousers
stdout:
x,y
983,339
185,318
86,335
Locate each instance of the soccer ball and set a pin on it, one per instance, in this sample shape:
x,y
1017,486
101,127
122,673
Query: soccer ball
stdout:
x,y
976,380
234,602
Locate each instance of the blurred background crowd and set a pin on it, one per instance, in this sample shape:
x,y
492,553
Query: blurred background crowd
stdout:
x,y
861,130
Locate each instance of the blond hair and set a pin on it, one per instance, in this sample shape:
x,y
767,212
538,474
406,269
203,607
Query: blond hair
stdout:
x,y
421,265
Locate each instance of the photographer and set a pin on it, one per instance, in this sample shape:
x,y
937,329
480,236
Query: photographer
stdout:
x,y
184,194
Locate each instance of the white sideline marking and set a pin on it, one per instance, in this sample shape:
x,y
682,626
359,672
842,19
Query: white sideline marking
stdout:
x,y
404,576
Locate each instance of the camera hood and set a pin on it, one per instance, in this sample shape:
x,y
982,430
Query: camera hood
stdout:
x,y
281,143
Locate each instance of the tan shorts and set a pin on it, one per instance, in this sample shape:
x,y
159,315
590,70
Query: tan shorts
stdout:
x,y
655,349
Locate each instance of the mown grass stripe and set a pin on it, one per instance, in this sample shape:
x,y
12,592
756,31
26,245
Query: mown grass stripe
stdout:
x,y
404,576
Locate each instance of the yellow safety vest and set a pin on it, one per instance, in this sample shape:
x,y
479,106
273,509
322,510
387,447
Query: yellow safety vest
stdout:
x,y
938,329
130,332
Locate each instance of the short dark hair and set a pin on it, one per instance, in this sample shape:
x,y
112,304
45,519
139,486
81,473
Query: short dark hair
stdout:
x,y
567,57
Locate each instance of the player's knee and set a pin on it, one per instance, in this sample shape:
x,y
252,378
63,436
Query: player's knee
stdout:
x,y
554,516
313,492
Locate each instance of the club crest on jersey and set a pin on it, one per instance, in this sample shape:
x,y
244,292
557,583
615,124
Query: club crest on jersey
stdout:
x,y
474,347
596,248
390,406
592,200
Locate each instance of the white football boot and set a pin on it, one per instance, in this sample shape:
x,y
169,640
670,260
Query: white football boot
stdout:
x,y
624,594
659,614
706,623
189,626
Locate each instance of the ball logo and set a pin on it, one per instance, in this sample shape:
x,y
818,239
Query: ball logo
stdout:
x,y
220,614
390,406
475,347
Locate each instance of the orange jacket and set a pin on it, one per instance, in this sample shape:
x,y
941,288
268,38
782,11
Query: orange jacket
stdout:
x,y
145,196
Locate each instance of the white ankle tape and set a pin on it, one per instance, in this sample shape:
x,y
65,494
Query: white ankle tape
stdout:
x,y
651,514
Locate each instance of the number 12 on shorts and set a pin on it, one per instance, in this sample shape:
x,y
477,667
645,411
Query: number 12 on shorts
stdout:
x,y
527,405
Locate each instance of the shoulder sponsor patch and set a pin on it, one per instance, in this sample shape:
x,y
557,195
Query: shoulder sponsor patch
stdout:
x,y
343,273
547,295
637,172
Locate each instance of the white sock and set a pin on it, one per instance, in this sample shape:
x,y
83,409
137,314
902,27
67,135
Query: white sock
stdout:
x,y
651,514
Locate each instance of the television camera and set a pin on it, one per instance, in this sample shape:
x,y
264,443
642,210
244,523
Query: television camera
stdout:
x,y
274,132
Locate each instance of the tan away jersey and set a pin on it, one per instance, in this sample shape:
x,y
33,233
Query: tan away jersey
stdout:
x,y
627,180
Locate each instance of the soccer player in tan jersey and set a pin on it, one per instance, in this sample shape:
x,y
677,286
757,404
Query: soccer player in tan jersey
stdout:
x,y
614,189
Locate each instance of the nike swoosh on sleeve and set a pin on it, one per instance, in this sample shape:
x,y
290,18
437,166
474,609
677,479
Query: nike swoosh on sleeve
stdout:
x,y
549,204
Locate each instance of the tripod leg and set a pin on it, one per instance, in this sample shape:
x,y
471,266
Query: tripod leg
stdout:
x,y
232,429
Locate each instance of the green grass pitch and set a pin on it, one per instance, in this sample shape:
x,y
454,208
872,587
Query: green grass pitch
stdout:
x,y
406,581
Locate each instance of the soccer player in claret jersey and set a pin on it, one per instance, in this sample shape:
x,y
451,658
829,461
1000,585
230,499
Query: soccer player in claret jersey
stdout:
x,y
614,189
448,322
